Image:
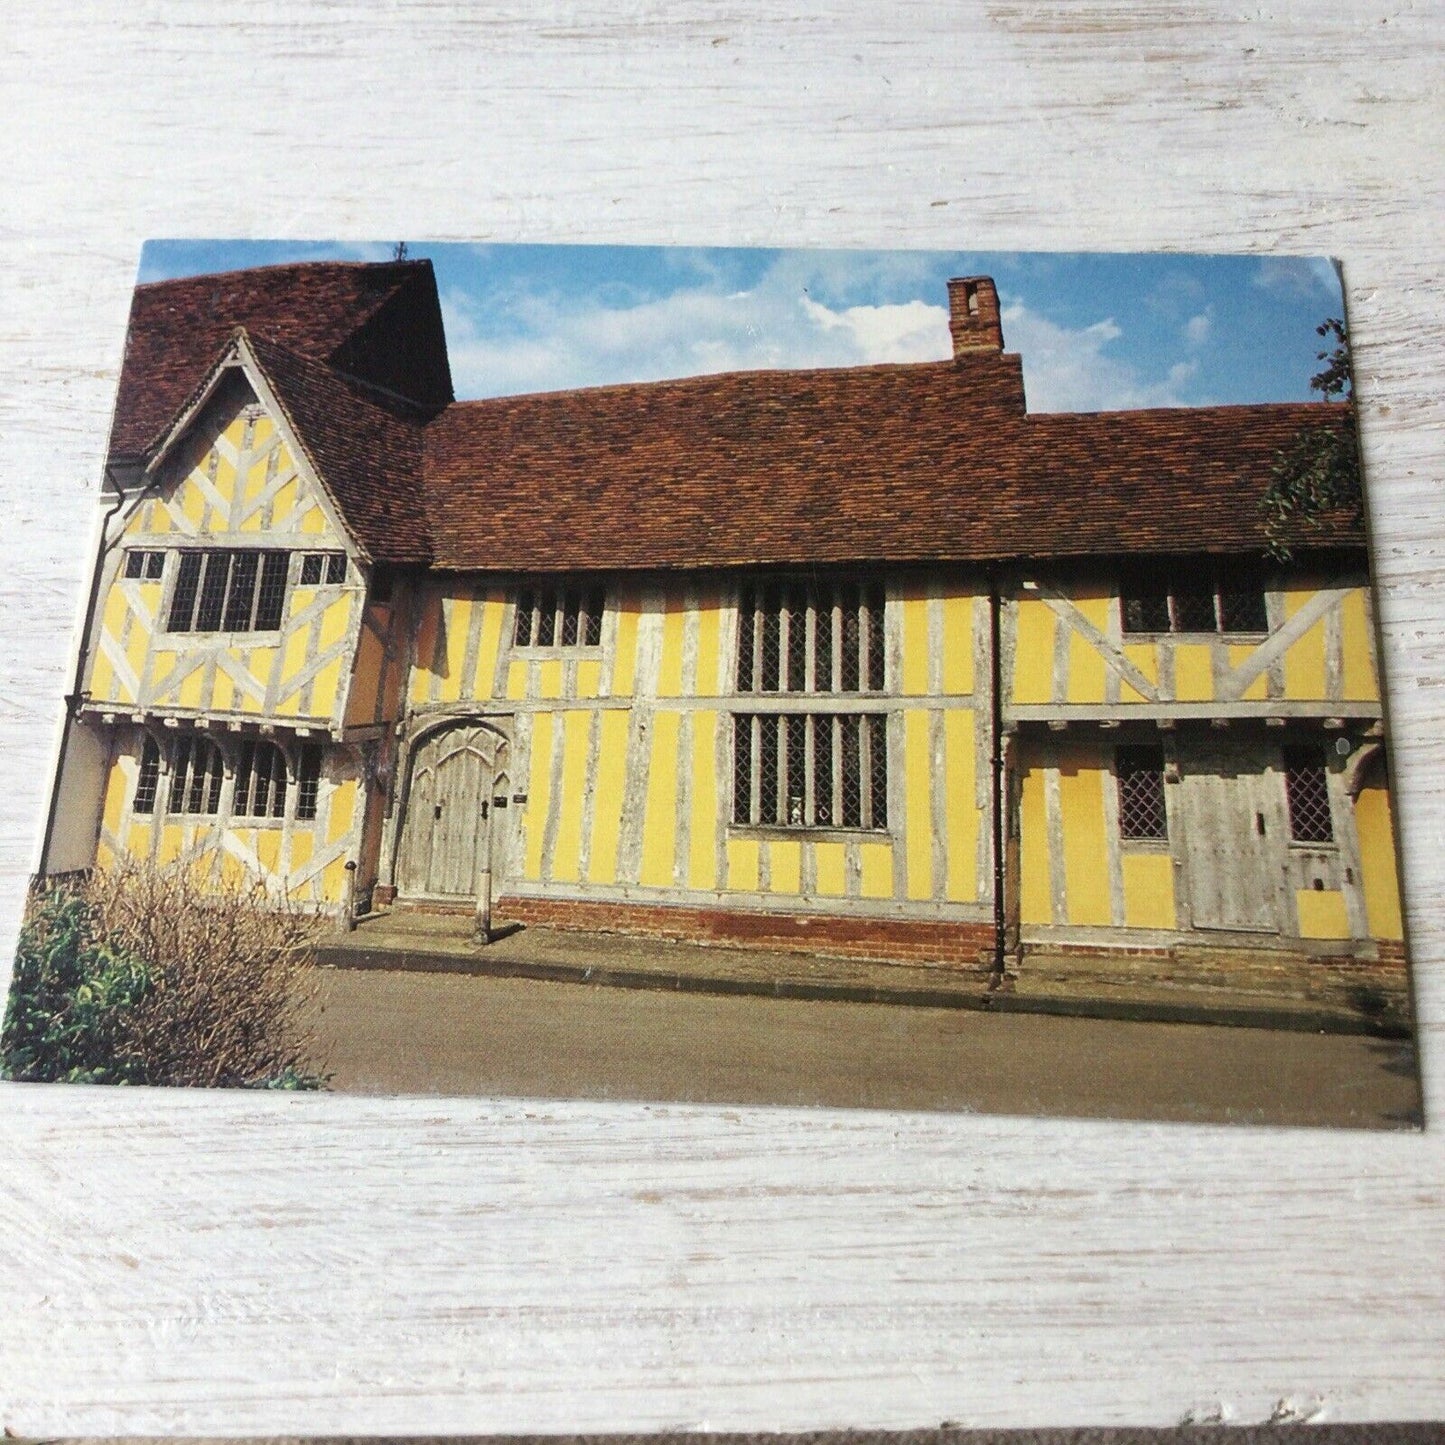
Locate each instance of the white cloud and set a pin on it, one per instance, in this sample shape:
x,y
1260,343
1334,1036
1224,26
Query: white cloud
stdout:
x,y
911,331
544,342
1303,276
1071,369
1198,328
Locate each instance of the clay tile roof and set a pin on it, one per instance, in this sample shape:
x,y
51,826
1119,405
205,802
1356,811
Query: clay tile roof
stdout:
x,y
737,469
873,464
1164,481
365,445
358,315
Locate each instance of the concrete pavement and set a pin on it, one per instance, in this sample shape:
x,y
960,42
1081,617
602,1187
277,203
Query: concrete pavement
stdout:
x,y
1236,987
390,1031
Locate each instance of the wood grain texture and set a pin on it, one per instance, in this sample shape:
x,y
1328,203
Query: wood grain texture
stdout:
x,y
262,1265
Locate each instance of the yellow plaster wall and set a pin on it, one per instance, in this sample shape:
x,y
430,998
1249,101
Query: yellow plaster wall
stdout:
x,y
1086,873
913,608
1360,681
1086,662
1380,876
566,857
1304,663
1036,898
1194,662
958,622
1033,673
1148,890
222,850
607,797
220,488
1321,913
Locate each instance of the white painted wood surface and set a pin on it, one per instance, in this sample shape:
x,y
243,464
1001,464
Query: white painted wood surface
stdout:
x,y
241,1264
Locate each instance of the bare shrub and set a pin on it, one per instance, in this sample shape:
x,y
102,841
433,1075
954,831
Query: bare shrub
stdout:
x,y
231,993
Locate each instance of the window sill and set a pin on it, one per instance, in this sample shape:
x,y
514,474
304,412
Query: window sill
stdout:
x,y
773,832
1194,636
254,639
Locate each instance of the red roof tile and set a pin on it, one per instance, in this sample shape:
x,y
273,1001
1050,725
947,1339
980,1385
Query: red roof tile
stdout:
x,y
380,322
870,464
929,462
365,446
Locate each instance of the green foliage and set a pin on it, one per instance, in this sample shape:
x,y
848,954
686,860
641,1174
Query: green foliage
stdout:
x,y
294,1080
1317,476
69,998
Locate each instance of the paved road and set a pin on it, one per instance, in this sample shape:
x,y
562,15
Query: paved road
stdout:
x,y
390,1032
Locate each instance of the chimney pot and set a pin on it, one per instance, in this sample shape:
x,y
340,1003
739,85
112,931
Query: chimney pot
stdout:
x,y
973,319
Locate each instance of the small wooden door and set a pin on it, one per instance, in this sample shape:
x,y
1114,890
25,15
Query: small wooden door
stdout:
x,y
447,828
1230,828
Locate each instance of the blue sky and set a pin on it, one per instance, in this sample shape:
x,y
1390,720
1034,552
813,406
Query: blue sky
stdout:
x,y
1096,331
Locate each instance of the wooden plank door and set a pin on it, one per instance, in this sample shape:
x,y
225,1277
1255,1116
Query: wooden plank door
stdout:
x,y
1230,832
446,832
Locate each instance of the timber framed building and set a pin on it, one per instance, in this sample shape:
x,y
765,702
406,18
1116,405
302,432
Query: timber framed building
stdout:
x,y
866,660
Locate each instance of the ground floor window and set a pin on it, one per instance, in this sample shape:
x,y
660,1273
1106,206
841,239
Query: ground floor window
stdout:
x,y
1140,774
150,775
1307,790
308,781
263,779
810,770
260,781
196,777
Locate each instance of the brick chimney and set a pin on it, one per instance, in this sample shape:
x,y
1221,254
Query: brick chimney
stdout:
x,y
973,319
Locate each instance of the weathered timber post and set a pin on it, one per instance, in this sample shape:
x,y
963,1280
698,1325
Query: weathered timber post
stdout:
x,y
348,898
484,902
484,880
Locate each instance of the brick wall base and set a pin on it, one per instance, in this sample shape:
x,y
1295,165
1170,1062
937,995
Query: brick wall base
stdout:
x,y
883,939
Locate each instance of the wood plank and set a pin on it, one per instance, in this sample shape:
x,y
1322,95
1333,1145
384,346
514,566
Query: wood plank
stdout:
x,y
453,1266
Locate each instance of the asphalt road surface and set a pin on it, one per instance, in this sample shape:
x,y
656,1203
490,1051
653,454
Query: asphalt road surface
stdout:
x,y
419,1033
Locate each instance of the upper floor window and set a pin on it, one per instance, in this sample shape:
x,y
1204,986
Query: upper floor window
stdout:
x,y
318,567
1306,785
559,617
229,590
1140,773
810,637
1182,601
148,566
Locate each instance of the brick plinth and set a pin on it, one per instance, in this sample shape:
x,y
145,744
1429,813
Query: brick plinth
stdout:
x,y
887,940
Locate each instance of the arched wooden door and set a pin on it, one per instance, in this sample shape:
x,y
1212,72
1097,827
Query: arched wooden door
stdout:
x,y
446,831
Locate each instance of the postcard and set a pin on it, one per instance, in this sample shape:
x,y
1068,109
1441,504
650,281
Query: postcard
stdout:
x,y
870,679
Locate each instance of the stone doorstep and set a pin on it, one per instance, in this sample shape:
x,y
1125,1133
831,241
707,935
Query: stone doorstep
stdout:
x,y
1152,989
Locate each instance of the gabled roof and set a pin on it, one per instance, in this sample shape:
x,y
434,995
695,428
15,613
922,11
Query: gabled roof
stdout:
x,y
364,445
379,322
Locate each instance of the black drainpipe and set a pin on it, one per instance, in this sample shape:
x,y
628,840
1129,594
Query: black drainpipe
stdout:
x,y
73,697
996,761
